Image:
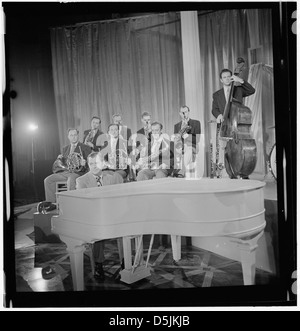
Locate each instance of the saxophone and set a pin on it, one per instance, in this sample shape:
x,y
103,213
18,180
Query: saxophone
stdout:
x,y
219,165
185,129
89,138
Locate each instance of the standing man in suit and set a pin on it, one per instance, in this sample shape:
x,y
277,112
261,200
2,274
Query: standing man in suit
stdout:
x,y
156,157
96,178
115,151
65,172
241,90
90,136
186,142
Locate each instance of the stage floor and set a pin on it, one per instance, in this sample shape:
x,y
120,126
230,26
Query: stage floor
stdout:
x,y
197,268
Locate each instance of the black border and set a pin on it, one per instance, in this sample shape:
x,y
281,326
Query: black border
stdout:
x,y
284,51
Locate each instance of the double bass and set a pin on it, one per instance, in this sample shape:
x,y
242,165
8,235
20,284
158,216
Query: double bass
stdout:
x,y
240,152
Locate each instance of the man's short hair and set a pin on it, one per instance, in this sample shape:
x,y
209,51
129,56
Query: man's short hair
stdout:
x,y
185,106
73,129
97,118
92,155
112,124
116,115
157,123
225,70
145,113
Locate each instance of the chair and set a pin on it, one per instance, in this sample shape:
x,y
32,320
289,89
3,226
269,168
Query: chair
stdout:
x,y
60,187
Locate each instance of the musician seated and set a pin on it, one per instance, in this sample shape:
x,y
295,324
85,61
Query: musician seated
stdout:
x,y
115,151
69,165
156,156
96,178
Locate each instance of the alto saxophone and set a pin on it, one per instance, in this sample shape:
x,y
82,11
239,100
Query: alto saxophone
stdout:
x,y
89,138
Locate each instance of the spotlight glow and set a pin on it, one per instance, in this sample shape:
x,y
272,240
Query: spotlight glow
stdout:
x,y
32,127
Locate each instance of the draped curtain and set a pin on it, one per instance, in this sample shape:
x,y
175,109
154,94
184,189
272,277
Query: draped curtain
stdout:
x,y
126,66
225,36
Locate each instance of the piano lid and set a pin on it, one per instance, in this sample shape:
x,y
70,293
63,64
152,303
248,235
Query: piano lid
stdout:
x,y
166,186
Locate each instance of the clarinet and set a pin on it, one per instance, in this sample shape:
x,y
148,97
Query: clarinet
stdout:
x,y
219,166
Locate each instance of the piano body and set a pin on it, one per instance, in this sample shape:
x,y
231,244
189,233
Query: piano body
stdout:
x,y
177,207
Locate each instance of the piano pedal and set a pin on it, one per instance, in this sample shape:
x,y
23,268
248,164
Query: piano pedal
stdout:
x,y
140,272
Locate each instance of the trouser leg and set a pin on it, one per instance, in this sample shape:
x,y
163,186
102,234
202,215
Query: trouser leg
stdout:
x,y
71,180
50,185
98,252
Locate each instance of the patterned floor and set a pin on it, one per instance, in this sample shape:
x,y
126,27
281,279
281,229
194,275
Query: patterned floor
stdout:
x,y
197,268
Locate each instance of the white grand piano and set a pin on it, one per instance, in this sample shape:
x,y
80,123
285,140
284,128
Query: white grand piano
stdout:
x,y
177,207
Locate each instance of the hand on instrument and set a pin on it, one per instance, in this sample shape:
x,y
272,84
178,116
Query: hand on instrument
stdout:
x,y
220,118
90,144
185,136
237,79
83,162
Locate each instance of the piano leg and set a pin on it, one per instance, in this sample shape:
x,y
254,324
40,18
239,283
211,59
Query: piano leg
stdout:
x,y
75,249
127,253
176,247
139,271
247,250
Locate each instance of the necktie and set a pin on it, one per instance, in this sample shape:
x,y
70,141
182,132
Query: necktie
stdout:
x,y
98,179
227,94
72,148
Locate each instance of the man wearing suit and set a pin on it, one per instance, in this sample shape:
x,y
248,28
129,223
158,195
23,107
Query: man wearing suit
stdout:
x,y
160,154
65,173
186,142
241,90
115,151
144,134
90,136
96,178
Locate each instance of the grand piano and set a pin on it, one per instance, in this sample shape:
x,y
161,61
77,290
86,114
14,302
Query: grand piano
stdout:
x,y
178,207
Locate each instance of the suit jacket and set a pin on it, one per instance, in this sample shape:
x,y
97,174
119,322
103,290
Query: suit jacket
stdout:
x,y
239,92
98,133
89,180
142,137
194,133
166,156
125,132
105,148
82,149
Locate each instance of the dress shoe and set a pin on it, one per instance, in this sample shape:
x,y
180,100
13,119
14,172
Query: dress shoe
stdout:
x,y
99,272
48,272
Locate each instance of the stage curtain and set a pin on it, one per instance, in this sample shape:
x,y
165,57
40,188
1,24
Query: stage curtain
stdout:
x,y
225,36
127,66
